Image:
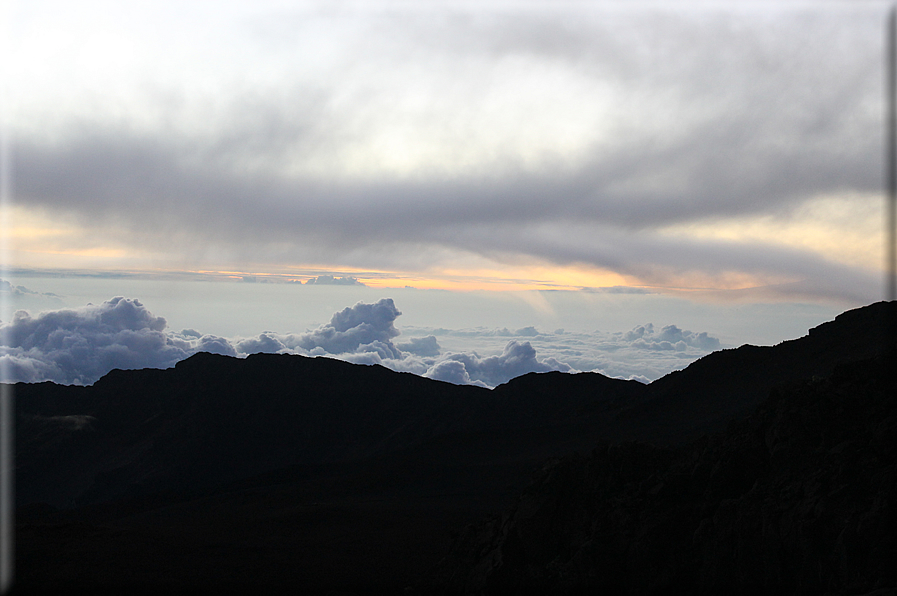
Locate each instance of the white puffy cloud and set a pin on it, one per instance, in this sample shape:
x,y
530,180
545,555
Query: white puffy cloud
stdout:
x,y
78,346
355,327
330,280
82,344
515,360
644,353
215,345
422,346
670,337
265,343
456,355
527,331
451,371
638,332
363,334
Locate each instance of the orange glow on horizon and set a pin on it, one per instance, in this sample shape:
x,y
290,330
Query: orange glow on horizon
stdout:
x,y
39,242
513,278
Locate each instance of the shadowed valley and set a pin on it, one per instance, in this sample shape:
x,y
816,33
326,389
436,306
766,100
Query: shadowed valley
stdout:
x,y
758,468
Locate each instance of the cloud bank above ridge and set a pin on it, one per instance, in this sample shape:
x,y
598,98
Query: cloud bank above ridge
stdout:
x,y
78,346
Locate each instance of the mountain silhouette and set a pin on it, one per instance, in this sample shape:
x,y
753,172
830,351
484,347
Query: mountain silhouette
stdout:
x,y
283,472
798,498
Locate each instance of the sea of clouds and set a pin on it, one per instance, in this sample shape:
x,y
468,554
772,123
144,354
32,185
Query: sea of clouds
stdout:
x,y
80,345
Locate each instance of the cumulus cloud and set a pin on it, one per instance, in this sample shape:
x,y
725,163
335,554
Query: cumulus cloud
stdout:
x,y
359,329
700,340
515,360
330,280
527,332
352,327
638,332
670,337
78,346
363,334
422,346
452,371
267,343
215,345
644,353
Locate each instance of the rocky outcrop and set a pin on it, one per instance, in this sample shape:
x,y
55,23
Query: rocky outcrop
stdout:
x,y
798,499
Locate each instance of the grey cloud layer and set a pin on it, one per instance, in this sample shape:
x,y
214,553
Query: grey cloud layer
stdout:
x,y
660,259
114,175
721,115
28,299
562,220
329,280
78,346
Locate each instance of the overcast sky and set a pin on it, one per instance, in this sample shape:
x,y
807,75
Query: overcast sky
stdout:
x,y
690,176
724,147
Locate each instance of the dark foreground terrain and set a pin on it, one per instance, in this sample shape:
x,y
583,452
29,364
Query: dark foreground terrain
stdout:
x,y
796,499
754,470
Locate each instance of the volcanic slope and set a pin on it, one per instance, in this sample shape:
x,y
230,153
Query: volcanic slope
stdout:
x,y
279,469
798,498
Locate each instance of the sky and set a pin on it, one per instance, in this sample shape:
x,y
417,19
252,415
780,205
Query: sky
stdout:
x,y
517,159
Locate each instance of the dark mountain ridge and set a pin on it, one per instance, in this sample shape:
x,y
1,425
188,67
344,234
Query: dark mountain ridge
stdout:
x,y
199,460
215,419
798,498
